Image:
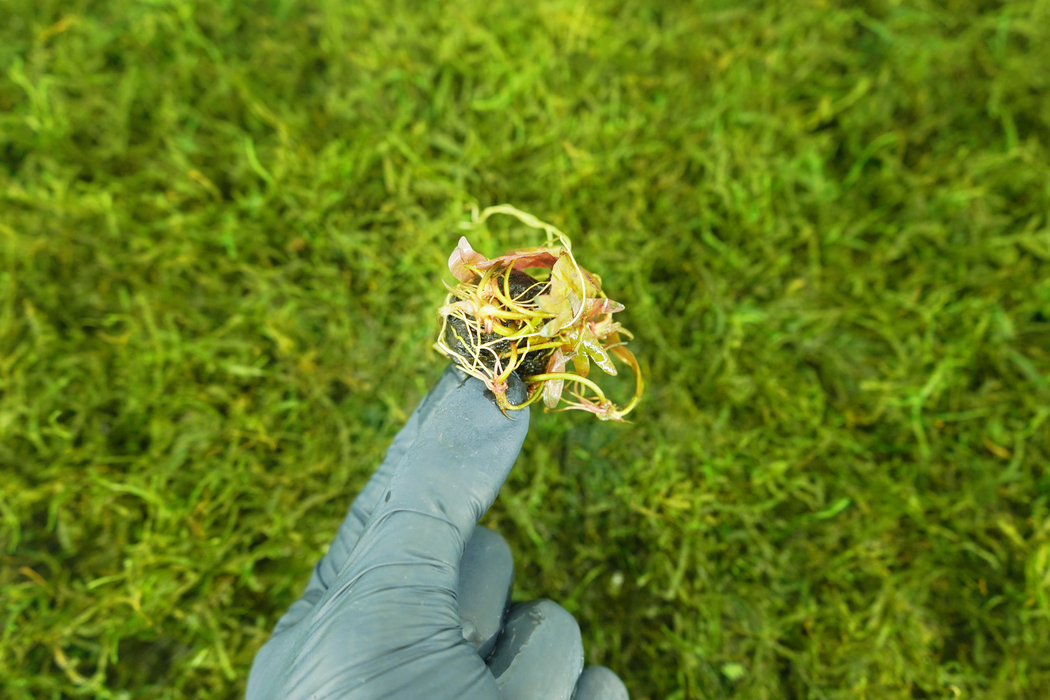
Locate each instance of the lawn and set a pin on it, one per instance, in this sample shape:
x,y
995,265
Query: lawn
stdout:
x,y
223,230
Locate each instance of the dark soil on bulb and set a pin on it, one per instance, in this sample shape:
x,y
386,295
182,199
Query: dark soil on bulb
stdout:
x,y
462,337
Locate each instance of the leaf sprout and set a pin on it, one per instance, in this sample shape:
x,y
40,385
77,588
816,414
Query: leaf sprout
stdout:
x,y
500,319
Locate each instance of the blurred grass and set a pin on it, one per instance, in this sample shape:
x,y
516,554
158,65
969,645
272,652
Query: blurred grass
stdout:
x,y
222,230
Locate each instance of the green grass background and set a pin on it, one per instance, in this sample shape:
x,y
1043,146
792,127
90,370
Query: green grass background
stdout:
x,y
223,227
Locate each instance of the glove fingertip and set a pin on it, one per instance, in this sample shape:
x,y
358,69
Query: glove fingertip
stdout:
x,y
451,379
599,683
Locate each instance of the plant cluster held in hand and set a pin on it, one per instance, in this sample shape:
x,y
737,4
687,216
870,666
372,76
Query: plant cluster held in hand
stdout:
x,y
547,325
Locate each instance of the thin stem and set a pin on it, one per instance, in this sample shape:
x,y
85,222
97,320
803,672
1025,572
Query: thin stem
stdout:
x,y
544,346
569,377
518,308
512,363
536,396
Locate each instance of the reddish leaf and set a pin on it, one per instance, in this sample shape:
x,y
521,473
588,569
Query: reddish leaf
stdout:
x,y
596,307
526,257
462,256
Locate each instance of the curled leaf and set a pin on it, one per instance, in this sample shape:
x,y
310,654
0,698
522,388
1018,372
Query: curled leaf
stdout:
x,y
563,304
581,364
564,274
553,388
585,341
462,256
605,328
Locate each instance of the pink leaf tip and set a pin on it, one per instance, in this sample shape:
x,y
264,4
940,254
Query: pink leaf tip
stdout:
x,y
462,256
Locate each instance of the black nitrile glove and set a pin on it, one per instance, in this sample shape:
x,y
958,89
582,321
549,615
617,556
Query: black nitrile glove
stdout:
x,y
411,600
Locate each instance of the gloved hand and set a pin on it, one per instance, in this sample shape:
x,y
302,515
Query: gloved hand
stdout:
x,y
411,601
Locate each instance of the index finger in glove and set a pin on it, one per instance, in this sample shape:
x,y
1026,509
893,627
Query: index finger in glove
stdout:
x,y
361,509
444,483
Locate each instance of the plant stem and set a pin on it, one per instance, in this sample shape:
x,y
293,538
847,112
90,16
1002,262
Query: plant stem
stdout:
x,y
571,378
